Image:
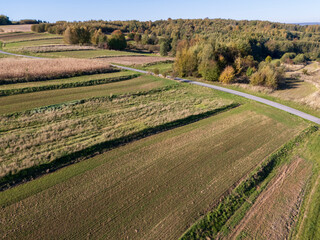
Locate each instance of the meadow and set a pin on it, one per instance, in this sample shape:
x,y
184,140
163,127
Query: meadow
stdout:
x,y
152,188
28,101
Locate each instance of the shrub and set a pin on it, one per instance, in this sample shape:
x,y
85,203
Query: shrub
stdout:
x,y
250,71
77,35
117,41
268,59
99,38
228,75
267,75
305,72
156,71
300,59
287,57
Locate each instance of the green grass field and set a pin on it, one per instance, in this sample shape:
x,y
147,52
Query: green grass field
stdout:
x,y
22,102
163,67
153,188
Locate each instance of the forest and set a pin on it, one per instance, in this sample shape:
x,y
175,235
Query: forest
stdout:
x,y
214,49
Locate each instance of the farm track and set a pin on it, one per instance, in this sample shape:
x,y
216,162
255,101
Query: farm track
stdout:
x,y
245,95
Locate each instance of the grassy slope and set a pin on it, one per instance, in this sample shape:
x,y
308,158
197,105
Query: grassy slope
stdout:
x,y
29,101
309,220
295,105
150,189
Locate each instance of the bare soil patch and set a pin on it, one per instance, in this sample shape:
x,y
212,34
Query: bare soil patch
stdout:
x,y
274,213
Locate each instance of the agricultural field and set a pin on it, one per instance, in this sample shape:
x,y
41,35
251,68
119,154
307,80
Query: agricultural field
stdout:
x,y
274,213
26,37
15,28
28,70
28,101
152,188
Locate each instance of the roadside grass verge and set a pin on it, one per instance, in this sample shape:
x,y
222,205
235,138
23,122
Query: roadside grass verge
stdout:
x,y
296,105
213,222
28,101
70,83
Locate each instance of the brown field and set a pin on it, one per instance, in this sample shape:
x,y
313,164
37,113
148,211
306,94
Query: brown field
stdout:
x,y
55,48
275,211
153,188
136,60
25,70
16,28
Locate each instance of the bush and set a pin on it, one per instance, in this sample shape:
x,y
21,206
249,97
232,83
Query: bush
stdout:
x,y
228,75
300,59
77,35
268,59
287,56
98,38
267,75
250,71
39,28
156,71
117,41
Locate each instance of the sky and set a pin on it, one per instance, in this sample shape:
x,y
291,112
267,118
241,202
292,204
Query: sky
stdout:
x,y
288,11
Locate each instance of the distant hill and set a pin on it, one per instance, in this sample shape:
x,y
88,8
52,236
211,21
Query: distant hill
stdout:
x,y
309,23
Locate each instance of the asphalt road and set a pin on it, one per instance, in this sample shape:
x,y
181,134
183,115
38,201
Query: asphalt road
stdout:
x,y
245,95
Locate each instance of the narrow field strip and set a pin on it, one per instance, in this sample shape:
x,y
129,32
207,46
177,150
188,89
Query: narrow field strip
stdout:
x,y
98,79
17,103
153,188
274,212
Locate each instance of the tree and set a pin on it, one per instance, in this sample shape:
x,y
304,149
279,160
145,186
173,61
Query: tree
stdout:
x,y
228,75
77,35
4,20
117,41
99,38
137,37
210,70
164,47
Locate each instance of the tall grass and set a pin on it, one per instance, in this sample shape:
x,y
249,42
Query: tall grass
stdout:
x,y
27,70
40,137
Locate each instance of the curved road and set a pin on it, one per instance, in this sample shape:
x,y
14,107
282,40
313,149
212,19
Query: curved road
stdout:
x,y
245,95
